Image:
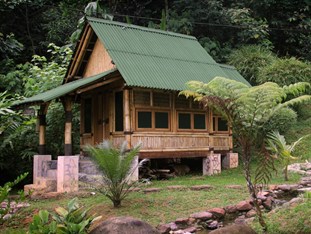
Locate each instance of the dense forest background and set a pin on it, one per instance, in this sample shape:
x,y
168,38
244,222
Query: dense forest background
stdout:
x,y
268,40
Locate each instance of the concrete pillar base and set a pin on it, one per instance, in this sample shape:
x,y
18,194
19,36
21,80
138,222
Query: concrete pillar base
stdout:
x,y
231,160
67,174
212,164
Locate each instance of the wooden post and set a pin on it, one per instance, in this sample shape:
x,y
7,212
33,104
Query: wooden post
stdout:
x,y
127,117
68,125
42,127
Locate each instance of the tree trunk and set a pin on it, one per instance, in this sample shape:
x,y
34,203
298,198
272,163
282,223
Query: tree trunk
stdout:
x,y
285,173
246,156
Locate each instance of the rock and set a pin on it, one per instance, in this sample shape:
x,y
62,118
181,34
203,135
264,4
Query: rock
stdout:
x,y
7,216
126,225
304,190
293,187
305,166
278,202
190,230
244,206
234,229
231,209
152,190
191,221
213,225
201,187
261,197
176,187
240,220
272,187
251,213
218,212
202,215
234,186
164,228
284,187
263,193
268,203
182,221
295,200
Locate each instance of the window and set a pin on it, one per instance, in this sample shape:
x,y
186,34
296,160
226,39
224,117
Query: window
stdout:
x,y
199,121
220,124
87,115
142,98
118,105
152,119
161,119
144,119
191,121
161,99
184,121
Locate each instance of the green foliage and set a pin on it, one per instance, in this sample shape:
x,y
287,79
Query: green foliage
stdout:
x,y
116,166
281,120
254,30
278,147
40,224
4,195
285,72
251,59
247,110
74,220
41,75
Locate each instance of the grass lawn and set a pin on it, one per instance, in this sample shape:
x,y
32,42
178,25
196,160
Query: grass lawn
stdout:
x,y
159,207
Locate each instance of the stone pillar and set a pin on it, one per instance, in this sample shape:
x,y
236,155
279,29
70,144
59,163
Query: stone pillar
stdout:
x,y
39,166
42,127
68,126
134,168
212,164
231,160
67,174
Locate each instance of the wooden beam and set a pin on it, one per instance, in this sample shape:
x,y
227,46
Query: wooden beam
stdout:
x,y
127,117
42,127
68,125
80,52
82,90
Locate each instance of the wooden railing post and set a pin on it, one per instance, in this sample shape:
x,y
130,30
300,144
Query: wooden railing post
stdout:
x,y
68,125
127,117
42,128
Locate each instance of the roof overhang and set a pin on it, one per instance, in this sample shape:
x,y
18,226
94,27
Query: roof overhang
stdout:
x,y
74,87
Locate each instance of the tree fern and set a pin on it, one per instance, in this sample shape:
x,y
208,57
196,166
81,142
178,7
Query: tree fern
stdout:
x,y
247,110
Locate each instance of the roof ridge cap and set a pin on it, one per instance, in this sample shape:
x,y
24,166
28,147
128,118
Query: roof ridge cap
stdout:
x,y
157,56
142,28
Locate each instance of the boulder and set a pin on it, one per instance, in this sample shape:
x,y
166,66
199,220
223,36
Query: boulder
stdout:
x,y
218,212
166,228
234,229
190,230
268,203
127,225
182,221
244,206
231,209
202,215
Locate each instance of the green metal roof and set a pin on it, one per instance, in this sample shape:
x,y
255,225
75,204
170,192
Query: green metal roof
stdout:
x,y
63,89
159,59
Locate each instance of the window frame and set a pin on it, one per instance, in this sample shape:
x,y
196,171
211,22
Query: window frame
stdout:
x,y
153,120
192,113
217,117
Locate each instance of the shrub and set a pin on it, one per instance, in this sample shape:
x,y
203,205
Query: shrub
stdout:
x,y
116,166
4,195
74,220
285,72
281,121
249,60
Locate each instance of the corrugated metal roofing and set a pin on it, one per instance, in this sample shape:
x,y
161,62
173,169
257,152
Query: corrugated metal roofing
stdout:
x,y
158,59
63,89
